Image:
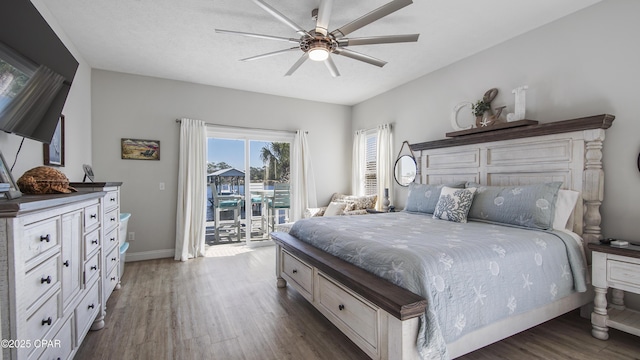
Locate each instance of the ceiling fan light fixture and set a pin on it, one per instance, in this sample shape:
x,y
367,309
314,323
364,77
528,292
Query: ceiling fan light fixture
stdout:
x,y
319,52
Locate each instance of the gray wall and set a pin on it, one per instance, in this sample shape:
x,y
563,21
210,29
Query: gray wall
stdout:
x,y
146,108
77,111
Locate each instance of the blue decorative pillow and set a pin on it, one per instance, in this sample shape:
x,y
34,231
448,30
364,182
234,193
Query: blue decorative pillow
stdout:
x,y
454,204
423,197
530,206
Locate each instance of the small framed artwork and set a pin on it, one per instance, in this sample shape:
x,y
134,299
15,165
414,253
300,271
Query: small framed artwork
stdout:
x,y
88,173
138,149
54,152
9,187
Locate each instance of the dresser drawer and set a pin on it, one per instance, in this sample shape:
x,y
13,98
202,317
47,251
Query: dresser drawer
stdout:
x,y
623,273
38,238
360,317
111,219
112,259
86,311
111,239
111,200
91,243
91,216
298,272
39,325
110,281
91,268
39,281
60,346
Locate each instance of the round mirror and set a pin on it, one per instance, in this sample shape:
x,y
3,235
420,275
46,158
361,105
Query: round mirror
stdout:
x,y
405,170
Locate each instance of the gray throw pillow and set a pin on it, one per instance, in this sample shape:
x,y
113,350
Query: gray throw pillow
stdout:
x,y
530,206
423,197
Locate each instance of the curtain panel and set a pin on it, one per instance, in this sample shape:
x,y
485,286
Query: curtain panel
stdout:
x,y
192,190
303,186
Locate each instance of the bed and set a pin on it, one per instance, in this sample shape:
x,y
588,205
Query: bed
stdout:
x,y
394,304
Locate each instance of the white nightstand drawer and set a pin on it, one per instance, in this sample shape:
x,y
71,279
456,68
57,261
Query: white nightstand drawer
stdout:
x,y
359,316
623,273
111,239
111,200
60,345
86,311
111,219
39,281
297,271
43,320
40,237
91,268
112,259
110,281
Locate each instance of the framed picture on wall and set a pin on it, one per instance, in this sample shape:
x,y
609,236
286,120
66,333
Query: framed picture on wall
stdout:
x,y
138,149
54,152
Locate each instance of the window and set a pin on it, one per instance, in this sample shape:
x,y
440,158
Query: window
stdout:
x,y
370,167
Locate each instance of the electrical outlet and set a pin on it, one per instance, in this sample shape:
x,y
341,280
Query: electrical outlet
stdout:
x,y
132,236
161,186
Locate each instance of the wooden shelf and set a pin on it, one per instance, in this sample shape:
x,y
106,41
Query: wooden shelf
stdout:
x,y
498,126
603,121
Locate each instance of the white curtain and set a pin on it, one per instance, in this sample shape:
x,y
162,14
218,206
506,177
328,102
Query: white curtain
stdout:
x,y
303,185
192,190
358,162
384,162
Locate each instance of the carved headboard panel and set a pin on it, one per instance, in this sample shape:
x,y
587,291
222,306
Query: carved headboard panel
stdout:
x,y
569,151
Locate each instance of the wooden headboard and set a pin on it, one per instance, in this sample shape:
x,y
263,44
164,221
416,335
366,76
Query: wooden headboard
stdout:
x,y
569,151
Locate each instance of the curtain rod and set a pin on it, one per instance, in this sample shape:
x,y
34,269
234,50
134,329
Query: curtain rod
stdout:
x,y
242,127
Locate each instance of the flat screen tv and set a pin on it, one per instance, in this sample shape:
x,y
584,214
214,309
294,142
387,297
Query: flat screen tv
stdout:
x,y
31,96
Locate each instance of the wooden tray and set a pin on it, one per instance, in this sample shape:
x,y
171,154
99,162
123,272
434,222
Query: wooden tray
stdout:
x,y
506,125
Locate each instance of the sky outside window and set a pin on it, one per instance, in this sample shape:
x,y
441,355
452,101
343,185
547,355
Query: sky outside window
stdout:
x,y
232,152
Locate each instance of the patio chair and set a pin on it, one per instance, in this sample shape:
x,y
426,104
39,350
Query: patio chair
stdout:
x,y
281,201
223,204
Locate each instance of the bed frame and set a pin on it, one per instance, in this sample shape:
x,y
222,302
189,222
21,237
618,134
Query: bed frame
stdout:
x,y
569,151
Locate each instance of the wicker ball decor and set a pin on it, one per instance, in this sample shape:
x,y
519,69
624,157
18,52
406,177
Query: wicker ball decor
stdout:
x,y
44,180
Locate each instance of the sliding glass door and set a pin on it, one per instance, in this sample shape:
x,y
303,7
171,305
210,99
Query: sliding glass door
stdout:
x,y
247,172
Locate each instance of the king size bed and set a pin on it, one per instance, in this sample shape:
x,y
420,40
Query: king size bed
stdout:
x,y
410,285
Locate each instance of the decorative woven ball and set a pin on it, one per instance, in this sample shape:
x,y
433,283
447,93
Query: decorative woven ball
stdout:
x,y
44,180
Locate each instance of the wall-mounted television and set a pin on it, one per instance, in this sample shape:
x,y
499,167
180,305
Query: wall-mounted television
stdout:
x,y
36,71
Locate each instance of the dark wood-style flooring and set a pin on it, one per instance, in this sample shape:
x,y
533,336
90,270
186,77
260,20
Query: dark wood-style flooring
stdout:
x,y
227,306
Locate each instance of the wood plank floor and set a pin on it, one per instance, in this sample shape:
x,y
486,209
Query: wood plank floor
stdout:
x,y
227,306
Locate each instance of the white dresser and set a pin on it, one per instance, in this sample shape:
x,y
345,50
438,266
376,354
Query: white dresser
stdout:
x,y
110,203
51,250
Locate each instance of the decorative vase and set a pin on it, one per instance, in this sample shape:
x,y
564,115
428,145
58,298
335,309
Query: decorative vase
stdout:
x,y
385,201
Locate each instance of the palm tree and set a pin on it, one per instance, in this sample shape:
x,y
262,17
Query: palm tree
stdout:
x,y
276,157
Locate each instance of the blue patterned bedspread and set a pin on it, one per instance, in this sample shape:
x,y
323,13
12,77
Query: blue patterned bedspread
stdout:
x,y
472,274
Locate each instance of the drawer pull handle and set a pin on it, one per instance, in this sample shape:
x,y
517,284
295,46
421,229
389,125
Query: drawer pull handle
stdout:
x,y
47,322
94,241
94,267
46,238
340,307
66,263
112,239
91,306
93,216
295,271
114,259
112,199
113,219
113,278
45,280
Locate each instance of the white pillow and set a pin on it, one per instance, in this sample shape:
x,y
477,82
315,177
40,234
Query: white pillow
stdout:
x,y
565,204
454,204
335,208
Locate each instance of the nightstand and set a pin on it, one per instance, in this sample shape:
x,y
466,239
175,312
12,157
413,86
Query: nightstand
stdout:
x,y
617,268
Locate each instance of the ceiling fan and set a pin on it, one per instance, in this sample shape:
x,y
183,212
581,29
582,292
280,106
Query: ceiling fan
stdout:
x,y
317,44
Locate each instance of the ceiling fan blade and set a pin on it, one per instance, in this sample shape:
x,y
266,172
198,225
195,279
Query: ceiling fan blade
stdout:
x,y
257,57
295,66
278,15
358,56
390,39
367,19
332,67
260,36
324,13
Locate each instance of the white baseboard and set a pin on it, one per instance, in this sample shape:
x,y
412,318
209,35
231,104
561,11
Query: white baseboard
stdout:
x,y
149,255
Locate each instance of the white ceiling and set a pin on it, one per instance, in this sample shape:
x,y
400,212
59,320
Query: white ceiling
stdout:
x,y
175,39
